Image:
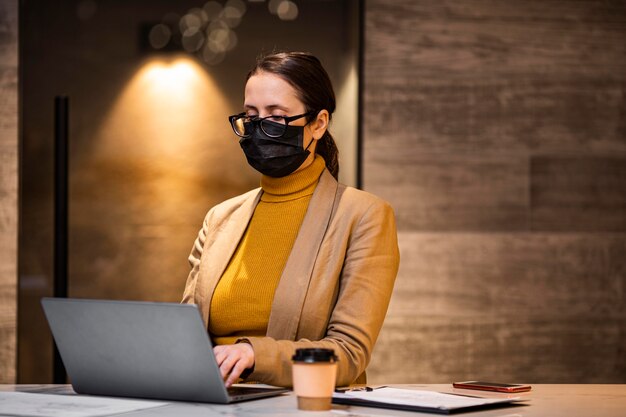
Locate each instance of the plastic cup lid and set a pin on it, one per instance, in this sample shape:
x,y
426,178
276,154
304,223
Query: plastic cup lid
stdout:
x,y
314,355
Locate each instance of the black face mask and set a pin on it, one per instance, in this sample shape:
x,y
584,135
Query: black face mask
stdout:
x,y
275,157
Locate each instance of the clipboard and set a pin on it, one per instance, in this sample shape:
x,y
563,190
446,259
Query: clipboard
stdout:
x,y
419,400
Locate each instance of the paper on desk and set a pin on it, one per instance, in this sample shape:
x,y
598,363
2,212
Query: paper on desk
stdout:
x,y
421,398
50,405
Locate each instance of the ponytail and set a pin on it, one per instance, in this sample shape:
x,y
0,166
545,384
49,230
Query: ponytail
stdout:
x,y
327,148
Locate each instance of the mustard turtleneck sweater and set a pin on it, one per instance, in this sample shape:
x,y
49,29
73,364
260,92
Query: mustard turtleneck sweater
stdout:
x,y
243,297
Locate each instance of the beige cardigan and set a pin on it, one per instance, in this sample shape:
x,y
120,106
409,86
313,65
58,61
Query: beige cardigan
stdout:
x,y
336,285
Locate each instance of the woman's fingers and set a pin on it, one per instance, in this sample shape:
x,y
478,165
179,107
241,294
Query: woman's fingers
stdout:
x,y
227,366
233,360
234,374
220,355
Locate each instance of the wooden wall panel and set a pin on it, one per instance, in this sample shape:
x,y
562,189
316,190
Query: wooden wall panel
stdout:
x,y
579,193
532,350
497,131
452,192
487,112
8,189
464,274
535,307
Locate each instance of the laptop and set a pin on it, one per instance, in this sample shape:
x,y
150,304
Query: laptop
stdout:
x,y
140,349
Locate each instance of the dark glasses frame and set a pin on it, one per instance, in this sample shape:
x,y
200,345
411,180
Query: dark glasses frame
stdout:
x,y
235,119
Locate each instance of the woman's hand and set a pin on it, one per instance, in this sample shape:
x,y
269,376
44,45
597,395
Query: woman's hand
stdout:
x,y
233,360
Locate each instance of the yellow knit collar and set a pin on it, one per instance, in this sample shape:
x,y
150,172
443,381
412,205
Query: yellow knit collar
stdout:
x,y
292,186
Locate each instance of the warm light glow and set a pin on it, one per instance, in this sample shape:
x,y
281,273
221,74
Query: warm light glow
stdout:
x,y
163,154
174,80
172,116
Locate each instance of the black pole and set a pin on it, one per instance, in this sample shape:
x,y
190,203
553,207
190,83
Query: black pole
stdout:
x,y
61,117
360,95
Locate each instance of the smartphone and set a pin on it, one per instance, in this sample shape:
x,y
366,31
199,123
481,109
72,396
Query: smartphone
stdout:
x,y
492,386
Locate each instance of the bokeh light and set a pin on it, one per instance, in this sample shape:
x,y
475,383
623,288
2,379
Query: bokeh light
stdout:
x,y
212,9
272,6
233,12
193,39
160,36
208,31
189,21
211,57
287,10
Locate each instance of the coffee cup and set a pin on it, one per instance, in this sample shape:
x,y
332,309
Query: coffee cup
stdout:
x,y
314,373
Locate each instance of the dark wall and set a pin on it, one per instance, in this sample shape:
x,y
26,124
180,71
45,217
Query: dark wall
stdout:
x,y
497,130
137,196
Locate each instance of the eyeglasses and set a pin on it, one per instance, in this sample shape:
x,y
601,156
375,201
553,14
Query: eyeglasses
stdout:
x,y
273,126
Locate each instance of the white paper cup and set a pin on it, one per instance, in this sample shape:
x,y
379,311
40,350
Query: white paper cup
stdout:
x,y
314,372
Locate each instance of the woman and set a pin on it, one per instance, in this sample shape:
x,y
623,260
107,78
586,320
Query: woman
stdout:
x,y
303,261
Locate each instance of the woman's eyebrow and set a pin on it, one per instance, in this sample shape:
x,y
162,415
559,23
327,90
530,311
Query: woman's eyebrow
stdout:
x,y
277,106
269,108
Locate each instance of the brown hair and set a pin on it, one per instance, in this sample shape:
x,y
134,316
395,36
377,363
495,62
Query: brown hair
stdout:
x,y
307,76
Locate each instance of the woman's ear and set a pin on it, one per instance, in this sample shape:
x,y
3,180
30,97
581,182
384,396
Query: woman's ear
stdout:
x,y
320,124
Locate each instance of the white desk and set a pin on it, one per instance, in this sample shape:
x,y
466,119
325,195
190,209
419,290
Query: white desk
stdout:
x,y
545,401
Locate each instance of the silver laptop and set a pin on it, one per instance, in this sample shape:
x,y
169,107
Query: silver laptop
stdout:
x,y
140,349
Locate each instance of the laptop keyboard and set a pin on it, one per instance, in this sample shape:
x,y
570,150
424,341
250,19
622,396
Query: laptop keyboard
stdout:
x,y
233,391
